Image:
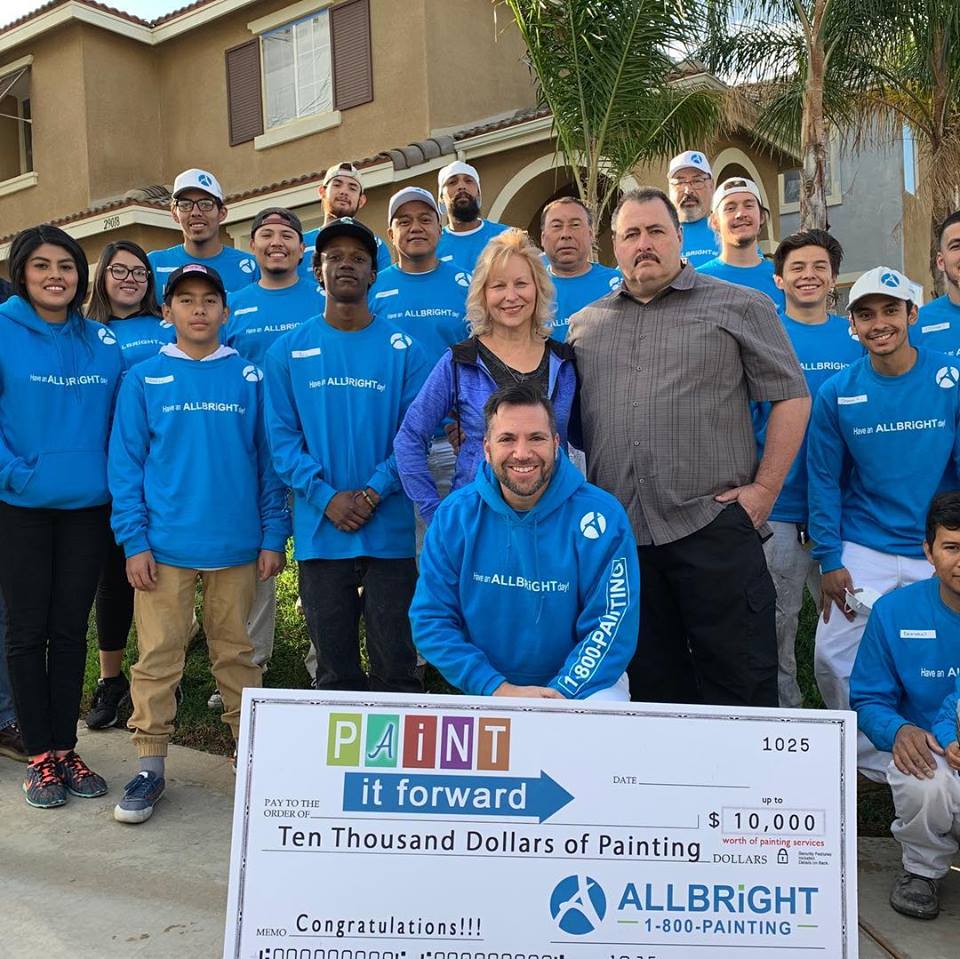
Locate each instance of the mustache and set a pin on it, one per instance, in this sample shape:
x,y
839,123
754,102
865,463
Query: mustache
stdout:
x,y
643,257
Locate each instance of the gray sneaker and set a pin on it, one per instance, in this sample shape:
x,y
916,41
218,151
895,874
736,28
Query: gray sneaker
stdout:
x,y
915,896
215,702
140,795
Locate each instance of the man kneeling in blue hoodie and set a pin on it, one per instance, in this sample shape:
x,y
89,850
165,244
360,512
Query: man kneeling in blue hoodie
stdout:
x,y
529,583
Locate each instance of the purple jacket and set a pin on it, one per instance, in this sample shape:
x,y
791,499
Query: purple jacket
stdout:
x,y
462,383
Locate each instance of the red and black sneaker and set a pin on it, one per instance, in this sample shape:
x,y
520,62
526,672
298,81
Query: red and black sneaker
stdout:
x,y
43,786
79,779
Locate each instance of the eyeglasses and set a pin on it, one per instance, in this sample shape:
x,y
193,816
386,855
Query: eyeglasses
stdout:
x,y
204,204
120,272
696,182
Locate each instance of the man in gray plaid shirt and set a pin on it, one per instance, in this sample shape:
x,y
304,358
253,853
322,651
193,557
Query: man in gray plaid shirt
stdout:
x,y
669,364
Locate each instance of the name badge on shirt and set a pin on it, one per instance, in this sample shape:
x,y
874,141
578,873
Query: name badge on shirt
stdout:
x,y
935,328
918,634
157,380
305,354
851,400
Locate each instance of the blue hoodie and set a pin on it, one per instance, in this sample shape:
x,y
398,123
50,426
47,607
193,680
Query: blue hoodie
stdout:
x,y
938,326
334,402
464,249
259,317
236,267
576,292
190,469
57,388
548,597
460,382
879,449
907,662
141,337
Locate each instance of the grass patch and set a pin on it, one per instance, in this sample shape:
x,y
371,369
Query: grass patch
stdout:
x,y
201,728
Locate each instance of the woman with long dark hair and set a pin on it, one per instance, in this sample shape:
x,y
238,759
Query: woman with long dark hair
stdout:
x,y
124,300
59,375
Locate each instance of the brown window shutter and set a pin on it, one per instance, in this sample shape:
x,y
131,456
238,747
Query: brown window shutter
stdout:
x,y
352,62
244,102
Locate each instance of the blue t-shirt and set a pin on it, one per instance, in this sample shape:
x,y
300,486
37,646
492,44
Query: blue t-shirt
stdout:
x,y
759,277
334,403
310,245
465,248
907,663
700,243
822,349
576,292
431,307
236,267
259,317
141,337
938,327
879,449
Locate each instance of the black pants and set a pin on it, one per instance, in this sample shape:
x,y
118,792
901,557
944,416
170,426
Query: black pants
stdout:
x,y
707,619
333,606
49,565
114,602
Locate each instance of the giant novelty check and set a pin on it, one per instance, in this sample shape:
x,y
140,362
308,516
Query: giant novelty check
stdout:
x,y
387,827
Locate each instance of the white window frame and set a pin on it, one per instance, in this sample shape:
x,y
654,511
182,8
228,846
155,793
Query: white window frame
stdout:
x,y
834,189
299,126
26,177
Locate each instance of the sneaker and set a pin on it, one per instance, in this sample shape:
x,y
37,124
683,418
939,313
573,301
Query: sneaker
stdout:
x,y
79,779
43,786
140,795
915,896
215,701
11,744
109,695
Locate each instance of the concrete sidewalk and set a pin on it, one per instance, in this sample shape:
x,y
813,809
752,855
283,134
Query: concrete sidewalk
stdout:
x,y
160,891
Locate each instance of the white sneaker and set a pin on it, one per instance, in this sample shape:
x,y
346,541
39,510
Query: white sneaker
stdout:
x,y
215,701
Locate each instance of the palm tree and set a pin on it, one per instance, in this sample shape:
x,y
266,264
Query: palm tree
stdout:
x,y
918,86
808,62
604,69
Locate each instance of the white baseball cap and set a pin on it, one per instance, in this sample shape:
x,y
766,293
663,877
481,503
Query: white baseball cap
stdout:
x,y
195,179
884,280
690,158
343,168
453,169
407,195
736,184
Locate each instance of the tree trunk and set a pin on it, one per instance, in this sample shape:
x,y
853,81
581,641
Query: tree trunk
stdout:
x,y
813,136
940,204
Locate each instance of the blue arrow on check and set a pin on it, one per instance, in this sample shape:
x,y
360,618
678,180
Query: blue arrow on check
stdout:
x,y
432,794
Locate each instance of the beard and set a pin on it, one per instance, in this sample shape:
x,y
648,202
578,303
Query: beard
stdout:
x,y
465,209
503,475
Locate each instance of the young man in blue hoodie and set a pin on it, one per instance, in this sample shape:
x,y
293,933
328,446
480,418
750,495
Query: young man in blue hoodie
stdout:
x,y
337,388
194,494
260,313
529,580
884,438
806,266
908,663
938,325
198,208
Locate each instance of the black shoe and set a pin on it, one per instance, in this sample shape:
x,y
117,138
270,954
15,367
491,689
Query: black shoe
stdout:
x,y
915,896
11,744
109,695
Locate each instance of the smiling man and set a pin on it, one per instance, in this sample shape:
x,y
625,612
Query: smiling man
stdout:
x,y
337,388
691,190
528,578
883,441
903,673
198,209
668,366
806,266
738,217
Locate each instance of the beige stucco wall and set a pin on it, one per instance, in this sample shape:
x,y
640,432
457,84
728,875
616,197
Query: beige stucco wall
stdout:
x,y
59,110
916,227
474,55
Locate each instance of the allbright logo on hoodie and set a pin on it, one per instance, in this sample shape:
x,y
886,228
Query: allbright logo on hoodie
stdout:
x,y
53,379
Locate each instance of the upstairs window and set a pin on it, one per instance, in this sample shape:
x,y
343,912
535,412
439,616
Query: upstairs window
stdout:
x,y
16,140
297,70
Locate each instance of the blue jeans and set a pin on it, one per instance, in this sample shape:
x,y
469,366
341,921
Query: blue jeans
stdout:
x,y
7,715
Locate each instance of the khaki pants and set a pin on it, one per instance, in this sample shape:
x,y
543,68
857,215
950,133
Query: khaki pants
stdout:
x,y
164,616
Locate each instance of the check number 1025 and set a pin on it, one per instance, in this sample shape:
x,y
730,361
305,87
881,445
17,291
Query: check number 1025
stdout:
x,y
785,744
